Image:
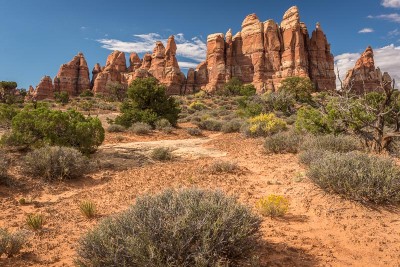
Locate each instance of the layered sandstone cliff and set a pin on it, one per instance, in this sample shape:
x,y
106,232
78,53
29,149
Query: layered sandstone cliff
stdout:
x,y
264,53
44,90
365,77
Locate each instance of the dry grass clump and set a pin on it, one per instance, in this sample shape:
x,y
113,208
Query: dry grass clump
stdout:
x,y
11,243
161,154
273,206
283,142
357,176
194,131
140,128
210,125
188,227
88,209
56,163
220,166
232,126
115,128
35,221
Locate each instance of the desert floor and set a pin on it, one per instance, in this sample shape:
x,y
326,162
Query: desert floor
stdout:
x,y
320,229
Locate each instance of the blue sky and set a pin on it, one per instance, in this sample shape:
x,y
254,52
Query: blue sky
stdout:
x,y
37,36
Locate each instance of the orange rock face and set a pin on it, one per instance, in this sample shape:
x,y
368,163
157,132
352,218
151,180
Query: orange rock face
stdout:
x,y
161,64
73,77
44,90
265,53
364,77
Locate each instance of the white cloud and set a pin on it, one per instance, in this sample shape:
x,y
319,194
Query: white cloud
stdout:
x,y
394,17
391,3
394,33
187,65
386,58
194,49
366,30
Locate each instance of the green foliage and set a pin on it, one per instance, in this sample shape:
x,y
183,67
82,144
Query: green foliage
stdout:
x,y
175,228
162,124
140,128
197,105
283,142
161,154
300,88
3,167
7,92
340,143
235,87
35,221
357,176
61,97
87,93
117,91
11,243
147,102
312,121
220,166
55,163
273,206
210,125
42,126
88,209
264,125
7,113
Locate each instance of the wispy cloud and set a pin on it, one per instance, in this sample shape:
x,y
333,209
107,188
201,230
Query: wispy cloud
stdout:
x,y
394,17
366,30
83,28
394,33
193,50
386,58
391,3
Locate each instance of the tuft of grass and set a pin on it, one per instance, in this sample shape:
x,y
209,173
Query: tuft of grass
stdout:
x,y
140,128
88,209
161,154
11,243
188,227
273,206
220,166
35,221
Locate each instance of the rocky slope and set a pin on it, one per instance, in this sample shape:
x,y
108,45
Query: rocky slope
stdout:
x,y
264,53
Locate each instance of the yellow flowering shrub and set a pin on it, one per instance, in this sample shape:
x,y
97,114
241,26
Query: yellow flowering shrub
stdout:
x,y
265,125
273,205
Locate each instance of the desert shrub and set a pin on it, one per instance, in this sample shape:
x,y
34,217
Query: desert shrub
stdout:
x,y
35,221
340,143
87,208
11,243
3,167
284,142
357,176
147,102
232,126
42,126
263,125
220,166
87,93
55,163
301,88
115,128
161,154
210,125
235,87
281,101
194,131
189,227
197,105
311,120
273,206
163,123
61,97
308,156
7,113
140,128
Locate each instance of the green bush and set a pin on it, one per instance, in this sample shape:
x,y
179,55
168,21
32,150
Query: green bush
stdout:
x,y
284,142
115,128
232,126
308,156
341,143
11,243
87,93
189,227
161,154
197,105
164,125
3,167
300,88
55,163
235,87
61,97
312,121
210,125
39,127
357,176
7,113
263,125
147,102
140,128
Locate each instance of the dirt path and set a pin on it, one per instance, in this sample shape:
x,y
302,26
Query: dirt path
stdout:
x,y
319,230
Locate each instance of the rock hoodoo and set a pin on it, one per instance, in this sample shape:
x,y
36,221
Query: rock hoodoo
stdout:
x,y
364,77
44,90
264,53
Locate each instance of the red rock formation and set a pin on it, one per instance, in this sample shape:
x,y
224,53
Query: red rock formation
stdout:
x,y
364,77
44,90
73,77
264,53
162,65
